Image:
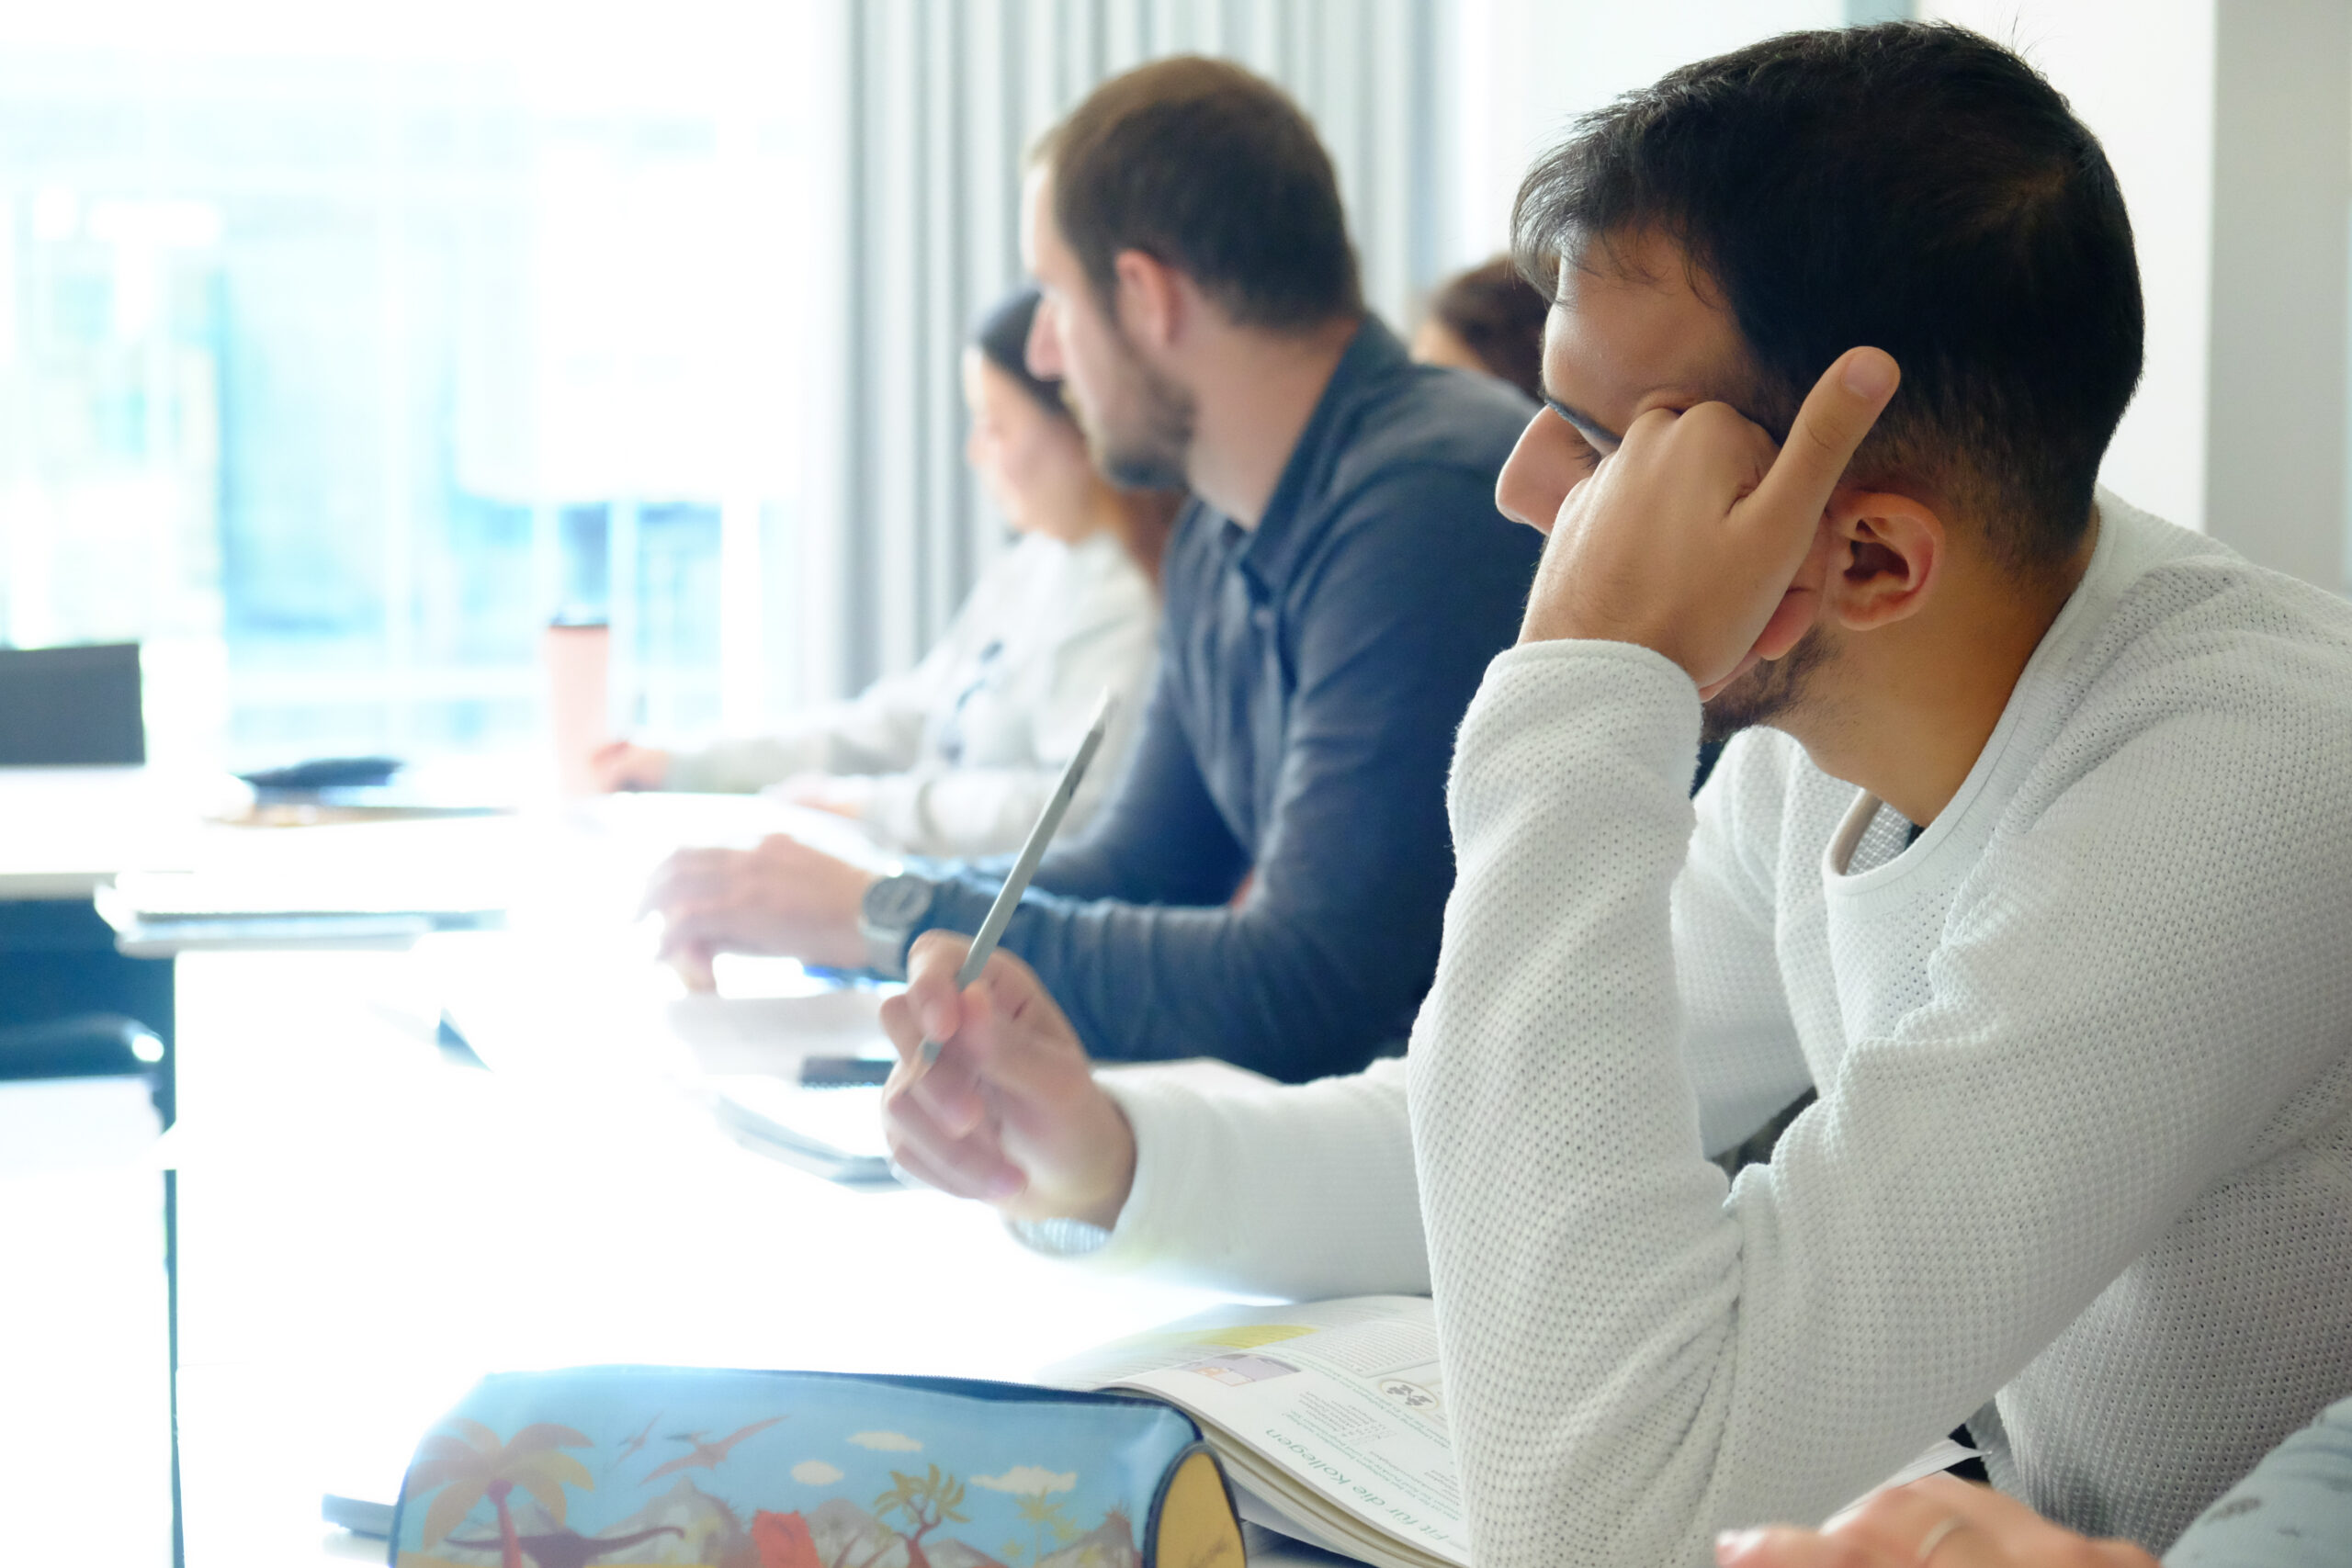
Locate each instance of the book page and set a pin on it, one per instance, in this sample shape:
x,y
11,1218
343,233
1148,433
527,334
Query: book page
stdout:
x,y
1342,1398
1335,1401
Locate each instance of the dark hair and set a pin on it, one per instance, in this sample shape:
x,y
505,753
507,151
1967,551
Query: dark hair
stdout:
x,y
1002,338
1911,186
1498,316
1213,171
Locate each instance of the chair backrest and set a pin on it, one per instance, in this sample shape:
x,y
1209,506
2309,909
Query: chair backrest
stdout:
x,y
71,706
89,1045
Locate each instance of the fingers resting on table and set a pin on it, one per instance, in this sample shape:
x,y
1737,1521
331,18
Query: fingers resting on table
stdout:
x,y
1938,1522
782,897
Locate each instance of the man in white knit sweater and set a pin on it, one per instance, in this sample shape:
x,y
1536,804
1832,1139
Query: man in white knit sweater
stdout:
x,y
2036,865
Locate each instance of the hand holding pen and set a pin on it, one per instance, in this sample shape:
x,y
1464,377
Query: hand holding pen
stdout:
x,y
1011,1114
1024,866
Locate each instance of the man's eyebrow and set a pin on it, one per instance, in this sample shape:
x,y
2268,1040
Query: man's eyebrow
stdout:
x,y
1591,429
1598,435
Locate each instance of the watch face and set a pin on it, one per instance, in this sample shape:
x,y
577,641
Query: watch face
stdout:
x,y
896,902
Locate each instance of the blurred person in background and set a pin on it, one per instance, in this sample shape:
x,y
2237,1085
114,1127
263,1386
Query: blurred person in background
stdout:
x,y
1334,591
956,756
1489,319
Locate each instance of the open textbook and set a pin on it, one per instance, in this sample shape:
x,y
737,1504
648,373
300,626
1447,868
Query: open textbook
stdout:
x,y
1330,1418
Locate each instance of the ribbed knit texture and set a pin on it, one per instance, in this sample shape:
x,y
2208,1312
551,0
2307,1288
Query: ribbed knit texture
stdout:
x,y
2085,1054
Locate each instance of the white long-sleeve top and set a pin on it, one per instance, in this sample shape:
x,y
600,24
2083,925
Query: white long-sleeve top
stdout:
x,y
2084,1145
964,747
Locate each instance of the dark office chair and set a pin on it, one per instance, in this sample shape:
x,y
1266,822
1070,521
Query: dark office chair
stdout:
x,y
71,706
86,1045
70,1005
66,995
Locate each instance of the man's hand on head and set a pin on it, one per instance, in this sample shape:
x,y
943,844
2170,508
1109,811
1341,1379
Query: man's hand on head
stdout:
x,y
1010,1112
1694,536
780,897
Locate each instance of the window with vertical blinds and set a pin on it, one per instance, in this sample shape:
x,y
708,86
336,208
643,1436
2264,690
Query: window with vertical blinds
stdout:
x,y
338,361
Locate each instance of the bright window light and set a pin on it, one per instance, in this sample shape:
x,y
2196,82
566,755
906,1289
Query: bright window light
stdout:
x,y
340,353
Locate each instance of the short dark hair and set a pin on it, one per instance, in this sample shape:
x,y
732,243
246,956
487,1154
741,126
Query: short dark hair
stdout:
x,y
1002,337
1213,171
1910,186
1498,316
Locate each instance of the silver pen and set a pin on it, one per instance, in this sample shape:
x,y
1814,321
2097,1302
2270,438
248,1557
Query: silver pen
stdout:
x,y
1016,882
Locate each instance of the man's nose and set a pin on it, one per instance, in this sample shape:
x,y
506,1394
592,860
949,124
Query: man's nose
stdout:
x,y
1537,477
1045,348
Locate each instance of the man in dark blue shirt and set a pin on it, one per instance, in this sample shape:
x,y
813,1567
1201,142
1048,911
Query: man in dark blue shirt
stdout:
x,y
1333,595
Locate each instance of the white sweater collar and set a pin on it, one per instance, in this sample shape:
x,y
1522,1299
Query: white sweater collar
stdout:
x,y
2128,541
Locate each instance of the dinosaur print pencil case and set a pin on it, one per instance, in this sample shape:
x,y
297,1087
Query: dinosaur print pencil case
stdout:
x,y
628,1467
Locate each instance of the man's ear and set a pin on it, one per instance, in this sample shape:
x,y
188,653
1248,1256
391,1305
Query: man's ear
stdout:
x,y
1150,300
1886,552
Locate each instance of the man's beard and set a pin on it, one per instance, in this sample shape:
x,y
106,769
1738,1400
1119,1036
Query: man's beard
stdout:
x,y
1765,692
1153,453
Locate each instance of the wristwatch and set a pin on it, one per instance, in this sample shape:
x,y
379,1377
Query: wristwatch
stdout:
x,y
892,913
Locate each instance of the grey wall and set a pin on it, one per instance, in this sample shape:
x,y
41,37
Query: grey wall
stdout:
x,y
2282,216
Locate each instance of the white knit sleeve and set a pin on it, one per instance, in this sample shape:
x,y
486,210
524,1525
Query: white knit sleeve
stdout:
x,y
1304,1191
1635,1357
1739,1040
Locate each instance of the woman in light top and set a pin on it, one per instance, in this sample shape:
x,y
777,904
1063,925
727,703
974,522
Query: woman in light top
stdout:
x,y
956,756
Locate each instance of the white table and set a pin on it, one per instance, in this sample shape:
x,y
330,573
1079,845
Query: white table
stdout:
x,y
72,829
365,1229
